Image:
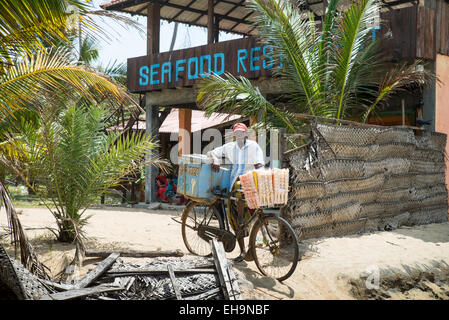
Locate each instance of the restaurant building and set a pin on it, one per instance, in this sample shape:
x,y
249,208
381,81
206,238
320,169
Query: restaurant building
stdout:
x,y
413,29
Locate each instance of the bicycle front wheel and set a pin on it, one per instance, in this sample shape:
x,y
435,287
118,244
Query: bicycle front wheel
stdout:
x,y
274,247
195,218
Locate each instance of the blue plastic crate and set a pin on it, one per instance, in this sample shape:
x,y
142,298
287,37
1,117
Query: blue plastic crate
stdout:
x,y
196,178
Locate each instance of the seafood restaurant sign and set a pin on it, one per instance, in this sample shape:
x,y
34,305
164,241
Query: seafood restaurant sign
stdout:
x,y
183,68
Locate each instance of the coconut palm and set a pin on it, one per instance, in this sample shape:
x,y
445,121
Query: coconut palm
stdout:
x,y
337,71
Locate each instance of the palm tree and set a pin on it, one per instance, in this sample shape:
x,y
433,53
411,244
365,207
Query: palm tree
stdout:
x,y
36,81
74,161
335,72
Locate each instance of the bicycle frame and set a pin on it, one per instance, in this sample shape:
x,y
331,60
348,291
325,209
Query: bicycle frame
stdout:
x,y
224,213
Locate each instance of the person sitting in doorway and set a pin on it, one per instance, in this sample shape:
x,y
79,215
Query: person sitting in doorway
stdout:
x,y
161,186
170,189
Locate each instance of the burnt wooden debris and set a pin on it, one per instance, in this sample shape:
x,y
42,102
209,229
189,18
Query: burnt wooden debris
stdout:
x,y
227,278
134,253
174,282
161,278
98,271
83,292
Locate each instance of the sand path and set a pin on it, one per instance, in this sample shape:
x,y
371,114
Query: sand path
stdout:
x,y
325,271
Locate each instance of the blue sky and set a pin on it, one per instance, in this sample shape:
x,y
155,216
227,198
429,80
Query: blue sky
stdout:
x,y
127,42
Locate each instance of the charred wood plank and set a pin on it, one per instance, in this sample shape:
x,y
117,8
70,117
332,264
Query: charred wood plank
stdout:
x,y
134,253
97,272
228,282
205,295
78,293
154,272
174,282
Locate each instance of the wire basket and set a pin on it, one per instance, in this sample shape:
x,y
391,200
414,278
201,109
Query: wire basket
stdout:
x,y
336,133
356,184
396,135
401,180
349,227
391,194
333,169
422,179
435,214
431,140
316,232
426,166
312,219
347,212
389,165
428,155
308,190
425,191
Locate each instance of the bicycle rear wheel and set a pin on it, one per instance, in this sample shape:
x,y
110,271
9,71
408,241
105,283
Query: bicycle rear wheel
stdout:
x,y
194,218
274,247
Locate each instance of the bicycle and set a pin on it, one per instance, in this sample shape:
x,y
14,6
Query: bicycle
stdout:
x,y
272,242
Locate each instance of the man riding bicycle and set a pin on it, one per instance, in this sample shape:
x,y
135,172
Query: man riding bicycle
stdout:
x,y
244,155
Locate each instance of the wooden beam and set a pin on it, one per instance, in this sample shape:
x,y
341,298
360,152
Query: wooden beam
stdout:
x,y
245,17
348,122
98,271
181,11
134,253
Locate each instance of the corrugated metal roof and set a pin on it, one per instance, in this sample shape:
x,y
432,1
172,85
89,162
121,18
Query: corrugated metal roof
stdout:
x,y
199,120
232,14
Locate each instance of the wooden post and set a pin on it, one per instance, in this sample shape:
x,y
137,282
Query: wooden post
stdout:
x,y
152,128
217,30
151,110
210,21
185,130
153,27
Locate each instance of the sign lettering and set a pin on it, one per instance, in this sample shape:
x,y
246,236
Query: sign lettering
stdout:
x,y
186,67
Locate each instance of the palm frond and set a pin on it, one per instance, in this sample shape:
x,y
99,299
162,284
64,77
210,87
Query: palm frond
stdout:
x,y
352,37
236,96
25,25
401,77
46,73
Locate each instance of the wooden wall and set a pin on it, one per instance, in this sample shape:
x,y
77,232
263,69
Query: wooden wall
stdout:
x,y
442,26
420,31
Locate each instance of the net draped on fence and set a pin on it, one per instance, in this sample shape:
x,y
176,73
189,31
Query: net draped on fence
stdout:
x,y
359,179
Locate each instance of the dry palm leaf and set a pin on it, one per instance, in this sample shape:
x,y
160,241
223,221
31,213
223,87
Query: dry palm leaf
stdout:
x,y
27,255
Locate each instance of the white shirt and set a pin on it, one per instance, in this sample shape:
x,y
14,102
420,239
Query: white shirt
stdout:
x,y
242,159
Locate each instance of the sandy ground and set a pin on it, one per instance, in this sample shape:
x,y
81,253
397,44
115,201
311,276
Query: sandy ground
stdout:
x,y
407,263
